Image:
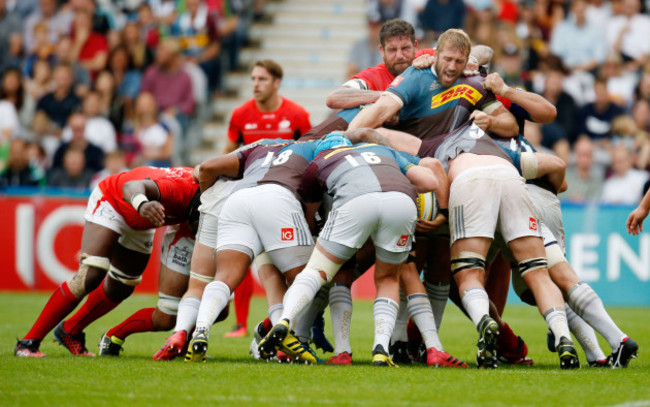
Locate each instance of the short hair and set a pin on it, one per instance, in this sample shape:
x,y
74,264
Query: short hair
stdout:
x,y
455,38
396,28
271,66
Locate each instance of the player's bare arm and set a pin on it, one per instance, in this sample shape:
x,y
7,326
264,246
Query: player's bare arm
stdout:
x,y
230,147
348,98
547,165
540,109
498,121
635,220
210,170
377,114
143,195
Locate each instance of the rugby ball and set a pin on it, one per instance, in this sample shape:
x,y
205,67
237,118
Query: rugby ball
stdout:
x,y
427,206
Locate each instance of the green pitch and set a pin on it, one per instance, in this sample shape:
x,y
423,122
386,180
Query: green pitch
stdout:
x,y
231,377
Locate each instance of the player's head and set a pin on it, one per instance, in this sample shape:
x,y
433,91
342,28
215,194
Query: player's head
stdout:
x,y
453,51
266,77
397,45
480,58
332,140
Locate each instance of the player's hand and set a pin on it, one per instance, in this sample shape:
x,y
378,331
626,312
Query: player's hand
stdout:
x,y
425,226
154,212
423,61
481,119
635,221
495,83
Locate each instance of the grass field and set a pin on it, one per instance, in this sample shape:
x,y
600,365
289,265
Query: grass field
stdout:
x,y
231,377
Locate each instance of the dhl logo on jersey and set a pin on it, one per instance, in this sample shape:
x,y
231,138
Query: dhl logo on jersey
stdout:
x,y
456,92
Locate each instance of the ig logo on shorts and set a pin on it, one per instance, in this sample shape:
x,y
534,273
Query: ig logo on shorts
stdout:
x,y
287,234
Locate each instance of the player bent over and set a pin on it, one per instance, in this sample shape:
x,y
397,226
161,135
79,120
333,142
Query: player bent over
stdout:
x,y
121,216
372,198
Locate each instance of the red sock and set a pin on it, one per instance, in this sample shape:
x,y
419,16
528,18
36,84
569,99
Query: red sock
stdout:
x,y
507,340
139,322
243,294
60,304
96,306
267,324
413,332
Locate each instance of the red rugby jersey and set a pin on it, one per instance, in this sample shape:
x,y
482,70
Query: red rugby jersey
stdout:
x,y
176,185
248,124
377,78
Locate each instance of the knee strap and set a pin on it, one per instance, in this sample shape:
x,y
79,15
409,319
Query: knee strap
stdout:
x,y
168,304
201,277
318,262
554,255
77,284
529,265
467,260
118,275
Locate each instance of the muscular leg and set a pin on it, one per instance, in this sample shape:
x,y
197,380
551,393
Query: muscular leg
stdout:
x,y
203,267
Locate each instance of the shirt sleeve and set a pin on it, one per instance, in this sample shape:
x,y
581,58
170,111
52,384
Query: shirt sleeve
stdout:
x,y
234,129
406,87
405,160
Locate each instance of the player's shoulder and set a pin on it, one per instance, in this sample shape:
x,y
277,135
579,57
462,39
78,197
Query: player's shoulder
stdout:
x,y
248,107
412,75
289,104
474,80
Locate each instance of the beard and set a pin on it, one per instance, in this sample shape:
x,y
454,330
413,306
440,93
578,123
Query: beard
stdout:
x,y
440,72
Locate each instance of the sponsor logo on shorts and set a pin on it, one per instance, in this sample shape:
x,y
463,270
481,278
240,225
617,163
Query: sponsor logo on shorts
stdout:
x,y
287,234
532,224
456,92
403,240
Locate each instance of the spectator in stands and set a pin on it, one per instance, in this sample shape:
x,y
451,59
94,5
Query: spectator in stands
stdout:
x,y
585,181
154,138
625,131
43,50
641,108
441,15
140,57
18,171
583,53
59,104
625,33
65,56
599,12
620,82
509,65
58,23
112,105
127,80
625,185
197,29
10,36
561,133
99,130
11,101
73,173
149,30
365,52
89,47
36,86
94,156
169,83
114,163
595,119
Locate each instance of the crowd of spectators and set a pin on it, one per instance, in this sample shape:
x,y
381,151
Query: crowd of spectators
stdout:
x,y
85,80
90,87
590,58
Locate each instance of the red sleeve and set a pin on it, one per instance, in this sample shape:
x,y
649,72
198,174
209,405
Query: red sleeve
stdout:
x,y
234,129
505,102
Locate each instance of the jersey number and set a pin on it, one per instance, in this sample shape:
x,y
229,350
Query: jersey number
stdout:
x,y
282,158
369,157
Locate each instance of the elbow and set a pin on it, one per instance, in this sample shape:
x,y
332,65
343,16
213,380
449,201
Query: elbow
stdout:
x,y
330,101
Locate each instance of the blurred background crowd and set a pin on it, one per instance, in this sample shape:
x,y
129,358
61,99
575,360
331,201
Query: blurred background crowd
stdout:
x,y
91,87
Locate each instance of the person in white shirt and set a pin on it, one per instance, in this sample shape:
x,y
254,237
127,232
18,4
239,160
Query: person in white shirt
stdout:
x,y
625,186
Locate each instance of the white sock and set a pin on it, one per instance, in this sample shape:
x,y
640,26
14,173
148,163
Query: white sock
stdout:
x,y
476,303
420,310
438,295
305,321
215,298
556,321
275,311
188,309
399,331
301,293
586,303
585,336
385,313
340,299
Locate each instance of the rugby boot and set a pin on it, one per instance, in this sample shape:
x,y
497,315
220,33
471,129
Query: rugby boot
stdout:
x,y
110,346
318,335
607,362
550,341
239,331
298,351
486,356
343,358
516,356
28,348
567,353
76,344
380,357
625,352
198,347
270,343
440,358
173,346
399,353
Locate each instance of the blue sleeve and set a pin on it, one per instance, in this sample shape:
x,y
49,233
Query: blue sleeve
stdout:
x,y
407,86
349,114
520,113
405,160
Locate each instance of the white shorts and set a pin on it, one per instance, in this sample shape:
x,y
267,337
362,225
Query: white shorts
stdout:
x,y
213,198
485,199
388,217
207,231
177,251
266,217
105,215
547,207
